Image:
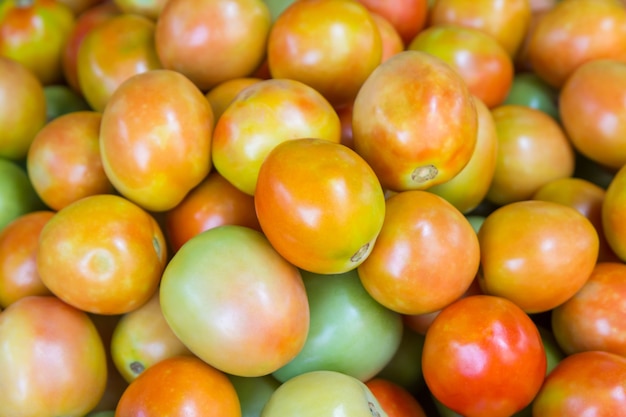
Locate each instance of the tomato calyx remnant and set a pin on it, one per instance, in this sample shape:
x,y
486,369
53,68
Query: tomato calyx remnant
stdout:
x,y
137,367
360,253
424,173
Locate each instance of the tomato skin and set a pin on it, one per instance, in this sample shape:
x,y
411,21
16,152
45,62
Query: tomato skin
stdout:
x,y
225,92
391,41
408,17
34,34
492,349
394,399
155,138
53,361
414,122
613,209
586,382
324,224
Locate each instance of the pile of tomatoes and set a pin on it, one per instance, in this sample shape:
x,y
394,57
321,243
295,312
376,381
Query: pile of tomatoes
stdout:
x,y
306,208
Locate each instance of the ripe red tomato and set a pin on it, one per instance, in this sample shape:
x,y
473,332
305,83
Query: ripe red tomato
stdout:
x,y
53,360
414,122
395,400
330,45
425,257
155,138
102,254
211,41
535,253
324,223
483,357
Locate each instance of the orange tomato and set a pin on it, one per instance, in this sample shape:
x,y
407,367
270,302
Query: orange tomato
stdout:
x,y
408,17
414,121
392,43
535,253
506,20
327,223
212,41
24,114
225,92
177,386
19,241
34,34
425,257
533,149
613,214
111,53
330,45
214,202
64,163
155,138
53,360
265,115
395,400
102,254
573,32
591,106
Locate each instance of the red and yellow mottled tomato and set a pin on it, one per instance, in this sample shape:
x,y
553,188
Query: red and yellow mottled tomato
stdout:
x,y
225,92
614,214
263,116
102,254
425,257
155,138
212,41
594,319
64,163
414,121
24,114
537,254
591,106
34,33
481,61
319,204
330,45
235,302
483,357
574,32
19,241
408,17
506,20
467,189
586,383
111,53
53,361
533,150
392,43
394,399
214,202
180,385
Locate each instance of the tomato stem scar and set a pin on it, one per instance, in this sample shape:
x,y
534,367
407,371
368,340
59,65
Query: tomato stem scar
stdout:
x,y
424,173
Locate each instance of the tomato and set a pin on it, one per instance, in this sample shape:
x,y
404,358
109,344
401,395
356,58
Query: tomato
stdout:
x,y
155,138
535,253
613,209
408,17
64,163
331,45
467,189
425,257
591,105
24,114
111,53
214,202
266,114
61,99
593,319
253,392
533,149
102,254
527,89
349,332
151,9
225,92
488,346
323,393
485,66
394,399
414,122
235,302
405,367
180,385
506,20
19,241
391,41
17,195
574,32
34,33
198,38
586,383
327,223
53,360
